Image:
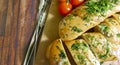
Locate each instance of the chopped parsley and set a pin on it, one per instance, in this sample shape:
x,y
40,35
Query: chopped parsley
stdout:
x,y
66,63
62,54
105,30
104,56
101,63
86,18
107,48
81,59
96,44
77,46
80,56
118,35
99,7
70,17
104,27
74,28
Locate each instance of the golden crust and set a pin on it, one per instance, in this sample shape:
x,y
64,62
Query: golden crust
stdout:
x,y
81,52
57,54
110,28
75,20
100,46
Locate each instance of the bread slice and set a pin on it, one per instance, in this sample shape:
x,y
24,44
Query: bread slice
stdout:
x,y
81,20
81,52
100,46
110,28
56,54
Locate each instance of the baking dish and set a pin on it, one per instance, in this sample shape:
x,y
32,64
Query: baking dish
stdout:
x,y
50,33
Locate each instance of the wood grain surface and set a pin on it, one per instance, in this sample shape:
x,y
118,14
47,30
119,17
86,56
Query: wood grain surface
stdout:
x,y
17,22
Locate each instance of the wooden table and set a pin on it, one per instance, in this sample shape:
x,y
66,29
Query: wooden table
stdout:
x,y
17,21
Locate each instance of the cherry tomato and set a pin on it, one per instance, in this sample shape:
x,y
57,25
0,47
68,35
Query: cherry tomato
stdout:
x,y
76,3
64,8
62,1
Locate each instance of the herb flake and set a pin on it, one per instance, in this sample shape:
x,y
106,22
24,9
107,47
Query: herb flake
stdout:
x,y
82,59
70,17
99,7
76,46
118,35
104,56
86,18
62,54
104,28
74,28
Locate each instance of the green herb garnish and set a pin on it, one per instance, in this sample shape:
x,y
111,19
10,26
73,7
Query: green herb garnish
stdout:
x,y
104,28
107,48
96,44
62,54
81,58
99,7
74,28
66,63
118,35
70,17
77,46
101,63
104,56
86,18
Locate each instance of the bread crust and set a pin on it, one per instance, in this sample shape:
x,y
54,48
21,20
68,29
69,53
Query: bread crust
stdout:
x,y
100,46
57,54
74,25
81,52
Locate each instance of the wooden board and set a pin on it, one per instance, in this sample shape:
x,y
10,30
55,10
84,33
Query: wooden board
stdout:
x,y
17,21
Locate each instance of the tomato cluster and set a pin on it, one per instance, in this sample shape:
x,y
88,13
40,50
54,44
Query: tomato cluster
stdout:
x,y
66,6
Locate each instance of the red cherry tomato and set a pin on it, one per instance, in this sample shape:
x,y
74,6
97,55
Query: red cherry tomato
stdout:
x,y
64,8
76,3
